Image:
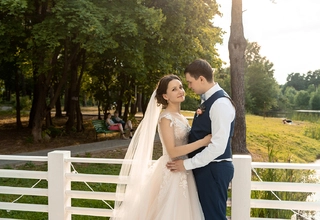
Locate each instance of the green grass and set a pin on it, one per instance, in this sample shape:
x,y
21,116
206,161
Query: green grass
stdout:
x,y
289,143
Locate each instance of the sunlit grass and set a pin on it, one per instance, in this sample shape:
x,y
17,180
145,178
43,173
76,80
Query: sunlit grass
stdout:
x,y
288,141
297,142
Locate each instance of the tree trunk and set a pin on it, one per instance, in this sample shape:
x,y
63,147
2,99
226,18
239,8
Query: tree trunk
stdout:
x,y
139,102
58,102
40,108
74,90
82,57
99,110
126,111
237,46
34,100
58,108
73,99
48,119
17,81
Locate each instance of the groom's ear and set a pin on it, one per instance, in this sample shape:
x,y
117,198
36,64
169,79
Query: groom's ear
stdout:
x,y
203,79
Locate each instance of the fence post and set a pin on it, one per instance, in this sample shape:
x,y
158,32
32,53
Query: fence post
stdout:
x,y
57,185
241,187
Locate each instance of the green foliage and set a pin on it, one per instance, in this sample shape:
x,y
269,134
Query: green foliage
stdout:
x,y
315,101
297,81
289,94
54,132
29,140
260,86
303,81
190,104
222,76
25,103
279,175
118,48
313,131
301,99
307,116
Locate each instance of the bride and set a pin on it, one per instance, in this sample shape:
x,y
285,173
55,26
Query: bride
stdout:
x,y
151,191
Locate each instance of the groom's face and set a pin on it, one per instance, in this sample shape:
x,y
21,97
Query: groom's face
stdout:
x,y
194,84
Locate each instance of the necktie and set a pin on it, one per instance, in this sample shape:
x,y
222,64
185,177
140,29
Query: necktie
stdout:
x,y
203,98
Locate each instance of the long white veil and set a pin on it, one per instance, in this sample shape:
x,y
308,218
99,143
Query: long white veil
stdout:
x,y
136,161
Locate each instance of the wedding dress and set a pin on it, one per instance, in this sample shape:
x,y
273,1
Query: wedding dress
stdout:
x,y
158,193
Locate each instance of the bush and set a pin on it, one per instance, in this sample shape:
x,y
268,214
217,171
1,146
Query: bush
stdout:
x,y
25,103
190,104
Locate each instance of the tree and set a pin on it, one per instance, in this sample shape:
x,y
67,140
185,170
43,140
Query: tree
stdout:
x,y
261,87
290,93
297,81
82,28
315,101
302,99
237,45
133,43
12,39
313,78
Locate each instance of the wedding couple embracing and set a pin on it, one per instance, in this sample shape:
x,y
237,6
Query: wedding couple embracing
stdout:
x,y
190,180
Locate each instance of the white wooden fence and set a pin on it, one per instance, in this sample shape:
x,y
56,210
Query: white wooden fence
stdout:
x,y
59,177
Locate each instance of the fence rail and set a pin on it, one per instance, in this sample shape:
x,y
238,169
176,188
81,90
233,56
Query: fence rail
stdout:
x,y
59,193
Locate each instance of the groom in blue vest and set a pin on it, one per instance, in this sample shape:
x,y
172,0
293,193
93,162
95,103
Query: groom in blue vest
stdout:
x,y
211,165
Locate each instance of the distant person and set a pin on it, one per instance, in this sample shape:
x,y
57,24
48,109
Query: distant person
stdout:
x,y
126,125
115,126
287,121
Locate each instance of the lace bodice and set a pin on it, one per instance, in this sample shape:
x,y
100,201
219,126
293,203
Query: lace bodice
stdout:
x,y
181,129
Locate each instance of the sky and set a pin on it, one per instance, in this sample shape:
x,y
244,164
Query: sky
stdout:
x,y
288,32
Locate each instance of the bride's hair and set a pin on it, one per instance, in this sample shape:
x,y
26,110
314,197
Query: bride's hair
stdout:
x,y
162,88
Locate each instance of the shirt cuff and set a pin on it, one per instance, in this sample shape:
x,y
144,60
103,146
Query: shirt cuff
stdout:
x,y
187,163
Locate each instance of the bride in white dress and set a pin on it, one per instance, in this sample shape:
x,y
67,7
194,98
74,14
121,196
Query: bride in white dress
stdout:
x,y
151,191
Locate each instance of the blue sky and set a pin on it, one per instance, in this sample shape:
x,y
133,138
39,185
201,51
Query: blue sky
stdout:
x,y
287,31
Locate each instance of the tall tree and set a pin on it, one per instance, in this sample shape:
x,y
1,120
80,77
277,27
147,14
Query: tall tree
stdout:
x,y
297,81
315,101
313,78
261,86
302,100
11,44
237,45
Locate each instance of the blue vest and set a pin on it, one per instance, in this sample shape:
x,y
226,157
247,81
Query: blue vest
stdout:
x,y
201,126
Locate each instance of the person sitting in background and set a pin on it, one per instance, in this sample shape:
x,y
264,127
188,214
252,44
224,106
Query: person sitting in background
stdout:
x,y
126,125
114,126
287,121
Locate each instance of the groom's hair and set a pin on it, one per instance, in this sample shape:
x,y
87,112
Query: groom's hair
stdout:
x,y
199,68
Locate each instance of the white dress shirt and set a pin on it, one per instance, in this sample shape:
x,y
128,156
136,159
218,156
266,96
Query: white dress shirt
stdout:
x,y
221,113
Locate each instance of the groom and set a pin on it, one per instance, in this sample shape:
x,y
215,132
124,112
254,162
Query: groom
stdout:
x,y
212,165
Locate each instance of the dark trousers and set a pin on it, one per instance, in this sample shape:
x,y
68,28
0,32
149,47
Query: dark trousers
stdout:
x,y
212,185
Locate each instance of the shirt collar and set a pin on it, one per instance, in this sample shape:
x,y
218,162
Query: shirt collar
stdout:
x,y
212,90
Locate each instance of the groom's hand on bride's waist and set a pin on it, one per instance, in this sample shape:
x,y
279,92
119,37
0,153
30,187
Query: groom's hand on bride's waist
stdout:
x,y
176,166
